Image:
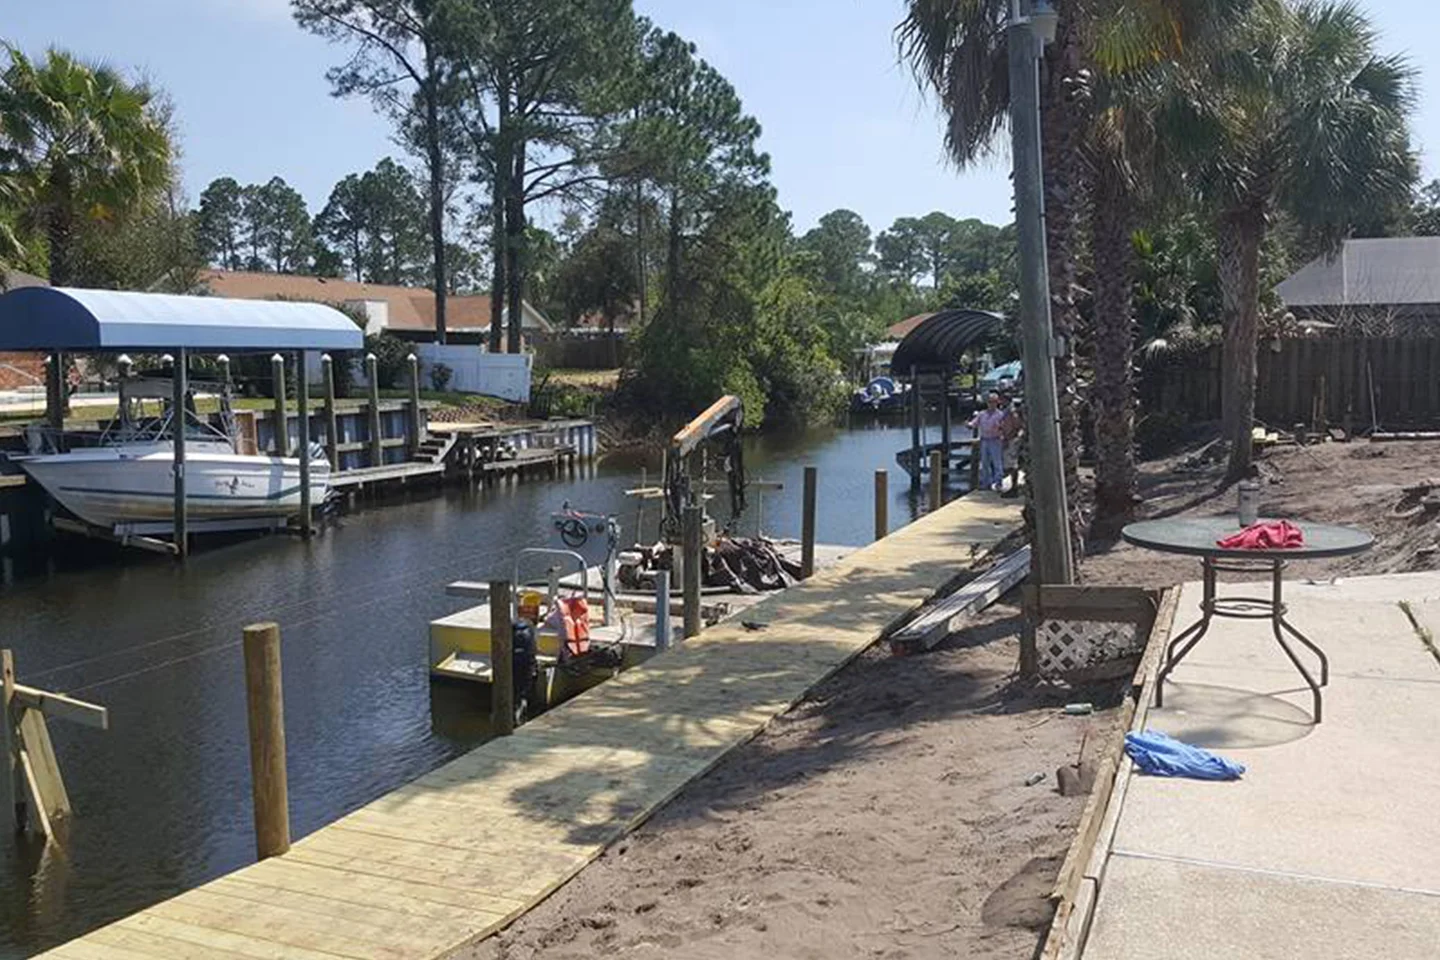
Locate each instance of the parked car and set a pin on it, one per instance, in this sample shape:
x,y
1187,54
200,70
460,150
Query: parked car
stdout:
x,y
1005,378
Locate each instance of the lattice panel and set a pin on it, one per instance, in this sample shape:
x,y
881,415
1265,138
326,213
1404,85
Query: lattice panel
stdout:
x,y
1064,646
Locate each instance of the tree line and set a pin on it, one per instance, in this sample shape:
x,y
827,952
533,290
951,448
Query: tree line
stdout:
x,y
1193,149
1194,152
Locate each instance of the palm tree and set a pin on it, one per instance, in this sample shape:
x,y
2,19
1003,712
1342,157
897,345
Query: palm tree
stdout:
x,y
1299,115
958,48
77,143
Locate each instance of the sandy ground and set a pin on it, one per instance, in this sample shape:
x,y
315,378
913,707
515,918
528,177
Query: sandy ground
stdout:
x,y
1359,484
885,816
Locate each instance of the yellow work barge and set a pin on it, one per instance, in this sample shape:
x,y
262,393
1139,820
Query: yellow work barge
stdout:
x,y
457,854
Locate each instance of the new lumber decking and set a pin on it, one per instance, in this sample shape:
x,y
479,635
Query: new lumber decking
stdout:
x,y
458,853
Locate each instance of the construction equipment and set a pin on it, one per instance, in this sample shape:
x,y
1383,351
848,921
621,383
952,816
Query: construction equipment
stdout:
x,y
688,458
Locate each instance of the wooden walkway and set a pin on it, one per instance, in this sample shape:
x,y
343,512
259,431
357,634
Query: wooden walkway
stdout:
x,y
456,854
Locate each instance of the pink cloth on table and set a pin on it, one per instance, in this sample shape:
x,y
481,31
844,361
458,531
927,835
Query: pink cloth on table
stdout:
x,y
1270,535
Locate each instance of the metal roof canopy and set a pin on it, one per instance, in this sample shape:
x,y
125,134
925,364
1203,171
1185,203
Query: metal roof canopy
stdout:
x,y
939,340
66,318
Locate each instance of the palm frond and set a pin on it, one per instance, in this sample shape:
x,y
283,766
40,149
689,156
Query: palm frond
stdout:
x,y
957,50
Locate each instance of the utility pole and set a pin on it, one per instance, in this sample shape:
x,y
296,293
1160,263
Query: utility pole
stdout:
x,y
1026,39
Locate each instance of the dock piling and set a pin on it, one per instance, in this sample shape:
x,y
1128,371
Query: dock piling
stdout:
x,y
282,419
691,567
265,705
332,422
807,526
945,419
662,609
916,413
882,504
937,480
10,816
502,664
372,389
177,419
412,438
302,402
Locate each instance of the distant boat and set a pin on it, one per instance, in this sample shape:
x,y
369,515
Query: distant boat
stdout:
x,y
880,395
128,476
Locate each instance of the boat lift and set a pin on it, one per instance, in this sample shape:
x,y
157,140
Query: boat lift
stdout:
x,y
61,320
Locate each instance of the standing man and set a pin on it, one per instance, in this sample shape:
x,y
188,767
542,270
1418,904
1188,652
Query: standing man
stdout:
x,y
989,424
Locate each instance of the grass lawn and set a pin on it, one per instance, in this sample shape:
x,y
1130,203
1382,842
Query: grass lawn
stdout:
x,y
593,379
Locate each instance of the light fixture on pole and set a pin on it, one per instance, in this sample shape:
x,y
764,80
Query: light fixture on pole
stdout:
x,y
1044,22
1027,36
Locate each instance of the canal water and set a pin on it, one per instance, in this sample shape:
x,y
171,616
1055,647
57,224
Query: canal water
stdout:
x,y
162,799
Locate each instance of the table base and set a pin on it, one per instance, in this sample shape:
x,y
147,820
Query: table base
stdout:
x,y
1270,608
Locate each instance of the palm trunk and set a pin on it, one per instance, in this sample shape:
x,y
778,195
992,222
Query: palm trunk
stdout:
x,y
435,161
1242,231
515,248
1062,119
60,235
1112,398
498,185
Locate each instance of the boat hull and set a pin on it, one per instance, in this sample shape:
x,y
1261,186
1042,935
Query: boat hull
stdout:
x,y
109,487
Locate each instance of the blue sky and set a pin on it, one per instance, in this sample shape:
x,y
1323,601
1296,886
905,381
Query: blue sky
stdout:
x,y
844,123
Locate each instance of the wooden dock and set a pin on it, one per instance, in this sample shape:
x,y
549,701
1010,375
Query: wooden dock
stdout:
x,y
385,473
462,851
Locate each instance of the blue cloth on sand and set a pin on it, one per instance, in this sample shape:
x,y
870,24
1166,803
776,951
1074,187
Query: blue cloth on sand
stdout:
x,y
1164,756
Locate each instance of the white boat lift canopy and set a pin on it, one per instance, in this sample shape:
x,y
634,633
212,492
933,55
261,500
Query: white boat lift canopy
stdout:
x,y
58,320
71,319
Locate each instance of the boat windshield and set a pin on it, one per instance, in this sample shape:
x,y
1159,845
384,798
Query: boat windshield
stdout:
x,y
146,413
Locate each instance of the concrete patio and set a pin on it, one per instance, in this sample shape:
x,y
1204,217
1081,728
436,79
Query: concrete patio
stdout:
x,y
1329,847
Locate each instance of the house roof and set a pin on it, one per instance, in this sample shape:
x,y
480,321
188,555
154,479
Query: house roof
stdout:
x,y
1387,270
409,308
899,330
67,318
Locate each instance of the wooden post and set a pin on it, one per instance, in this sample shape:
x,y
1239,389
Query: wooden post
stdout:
x,y
177,466
302,402
265,704
937,481
55,393
974,469
662,609
412,439
882,504
807,526
332,423
945,422
372,389
916,410
502,662
282,418
10,797
692,562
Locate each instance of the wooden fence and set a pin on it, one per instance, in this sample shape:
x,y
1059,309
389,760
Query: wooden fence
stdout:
x,y
1331,375
581,351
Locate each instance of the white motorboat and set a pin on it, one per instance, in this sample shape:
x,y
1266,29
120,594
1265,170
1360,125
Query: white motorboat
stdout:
x,y
128,477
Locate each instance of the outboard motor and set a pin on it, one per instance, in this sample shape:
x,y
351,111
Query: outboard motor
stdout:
x,y
523,664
